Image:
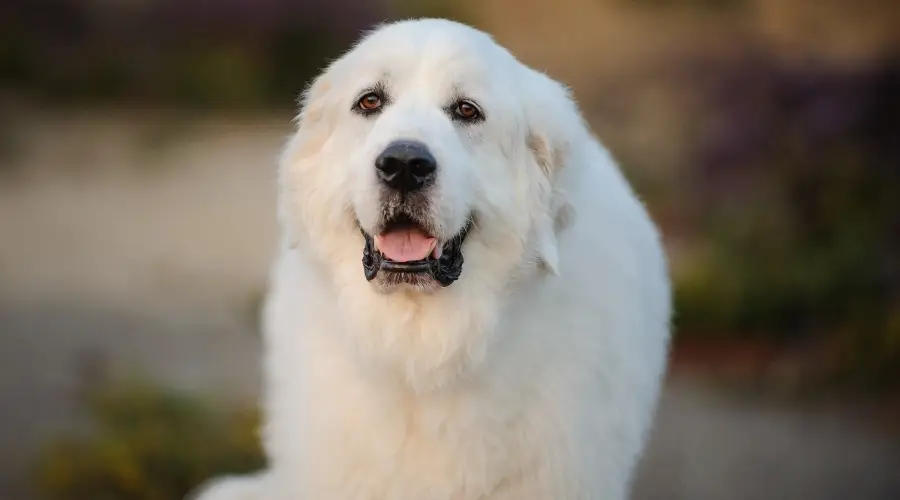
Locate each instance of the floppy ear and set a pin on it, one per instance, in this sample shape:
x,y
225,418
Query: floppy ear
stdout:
x,y
555,127
312,129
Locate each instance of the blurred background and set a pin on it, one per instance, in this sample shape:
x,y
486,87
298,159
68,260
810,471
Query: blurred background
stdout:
x,y
137,148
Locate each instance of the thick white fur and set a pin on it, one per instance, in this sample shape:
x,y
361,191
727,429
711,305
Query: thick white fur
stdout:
x,y
536,375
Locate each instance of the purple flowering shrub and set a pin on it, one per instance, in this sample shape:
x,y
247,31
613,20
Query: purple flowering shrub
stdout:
x,y
795,186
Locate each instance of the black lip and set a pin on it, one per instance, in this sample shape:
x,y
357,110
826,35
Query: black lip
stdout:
x,y
444,270
415,266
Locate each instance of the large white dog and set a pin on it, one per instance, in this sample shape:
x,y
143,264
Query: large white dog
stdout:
x,y
469,301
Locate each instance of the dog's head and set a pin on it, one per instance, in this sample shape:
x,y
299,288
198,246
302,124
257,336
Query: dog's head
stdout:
x,y
425,157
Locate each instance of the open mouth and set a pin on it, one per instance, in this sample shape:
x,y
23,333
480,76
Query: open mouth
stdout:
x,y
404,246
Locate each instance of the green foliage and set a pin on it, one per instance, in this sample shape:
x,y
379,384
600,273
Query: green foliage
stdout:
x,y
170,52
785,271
149,445
797,204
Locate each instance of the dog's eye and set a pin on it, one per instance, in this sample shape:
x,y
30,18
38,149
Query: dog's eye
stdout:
x,y
467,110
370,102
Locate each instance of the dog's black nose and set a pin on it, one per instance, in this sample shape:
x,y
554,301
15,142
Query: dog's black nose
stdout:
x,y
406,166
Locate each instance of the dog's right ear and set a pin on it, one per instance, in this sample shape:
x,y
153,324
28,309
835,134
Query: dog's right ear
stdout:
x,y
312,128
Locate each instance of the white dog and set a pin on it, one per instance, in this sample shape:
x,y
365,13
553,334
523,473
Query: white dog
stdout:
x,y
469,303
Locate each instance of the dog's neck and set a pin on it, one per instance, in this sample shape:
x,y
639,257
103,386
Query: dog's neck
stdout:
x,y
426,342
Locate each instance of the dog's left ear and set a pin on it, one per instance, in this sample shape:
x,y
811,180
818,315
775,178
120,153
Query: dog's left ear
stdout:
x,y
555,127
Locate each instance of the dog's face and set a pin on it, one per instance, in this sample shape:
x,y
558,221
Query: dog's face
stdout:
x,y
424,160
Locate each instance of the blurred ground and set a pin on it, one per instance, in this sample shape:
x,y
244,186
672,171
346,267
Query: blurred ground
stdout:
x,y
139,247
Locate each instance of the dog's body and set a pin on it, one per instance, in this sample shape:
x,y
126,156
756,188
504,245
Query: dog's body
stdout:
x,y
535,374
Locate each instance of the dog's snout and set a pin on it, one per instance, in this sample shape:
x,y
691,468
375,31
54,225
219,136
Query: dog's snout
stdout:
x,y
406,166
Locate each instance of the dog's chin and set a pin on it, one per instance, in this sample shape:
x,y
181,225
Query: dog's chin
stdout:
x,y
404,255
393,282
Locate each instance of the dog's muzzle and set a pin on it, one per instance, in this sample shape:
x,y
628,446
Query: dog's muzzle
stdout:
x,y
444,266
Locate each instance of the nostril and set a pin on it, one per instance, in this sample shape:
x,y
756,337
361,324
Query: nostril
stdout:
x,y
422,167
388,165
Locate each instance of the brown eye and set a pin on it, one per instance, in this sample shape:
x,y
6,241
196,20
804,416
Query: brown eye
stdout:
x,y
370,102
467,111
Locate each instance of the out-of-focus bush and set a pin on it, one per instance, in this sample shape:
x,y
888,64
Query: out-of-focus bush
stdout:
x,y
795,186
185,53
149,444
237,53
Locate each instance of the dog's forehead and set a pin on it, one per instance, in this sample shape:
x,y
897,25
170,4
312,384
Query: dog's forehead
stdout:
x,y
433,48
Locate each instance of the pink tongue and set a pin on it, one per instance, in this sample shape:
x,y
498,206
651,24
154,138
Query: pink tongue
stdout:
x,y
405,245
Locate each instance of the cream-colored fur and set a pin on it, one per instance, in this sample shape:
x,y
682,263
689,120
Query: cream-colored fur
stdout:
x,y
536,374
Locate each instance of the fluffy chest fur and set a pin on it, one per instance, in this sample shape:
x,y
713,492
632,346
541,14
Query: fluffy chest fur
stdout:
x,y
530,420
442,447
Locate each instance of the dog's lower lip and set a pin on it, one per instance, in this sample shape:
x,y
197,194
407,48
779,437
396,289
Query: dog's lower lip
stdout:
x,y
417,266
